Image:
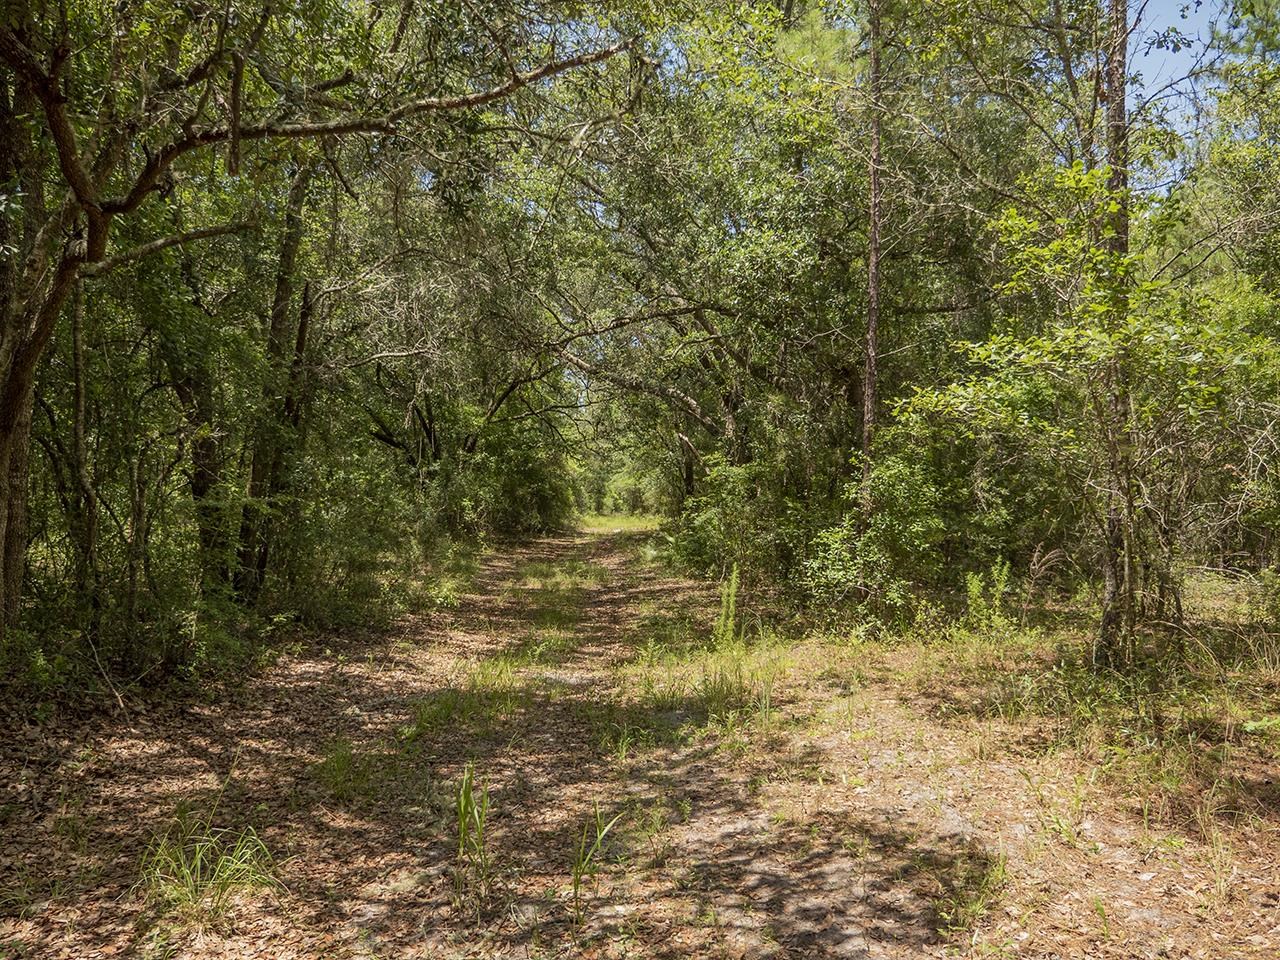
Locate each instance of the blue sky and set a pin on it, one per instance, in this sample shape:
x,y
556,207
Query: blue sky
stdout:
x,y
1184,106
1159,66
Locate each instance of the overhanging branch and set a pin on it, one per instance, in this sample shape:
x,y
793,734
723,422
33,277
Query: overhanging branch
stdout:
x,y
94,270
386,123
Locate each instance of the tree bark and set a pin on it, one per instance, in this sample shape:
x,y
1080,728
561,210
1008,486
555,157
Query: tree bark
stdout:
x,y
85,524
1120,541
192,379
254,545
870,372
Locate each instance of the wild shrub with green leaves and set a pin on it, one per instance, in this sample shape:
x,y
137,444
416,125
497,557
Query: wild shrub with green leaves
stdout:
x,y
887,542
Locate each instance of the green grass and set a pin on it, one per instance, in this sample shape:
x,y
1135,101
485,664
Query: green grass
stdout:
x,y
346,774
624,727
1192,711
553,592
1169,729
618,523
491,694
556,613
562,575
27,891
588,853
621,740
648,833
714,673
723,687
198,869
473,875
730,685
542,647
971,887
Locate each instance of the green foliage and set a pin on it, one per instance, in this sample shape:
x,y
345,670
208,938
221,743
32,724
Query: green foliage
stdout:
x,y
719,525
214,453
727,632
1269,593
40,664
741,520
478,326
887,541
985,595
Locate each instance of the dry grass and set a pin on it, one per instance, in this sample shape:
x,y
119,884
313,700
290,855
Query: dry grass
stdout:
x,y
573,759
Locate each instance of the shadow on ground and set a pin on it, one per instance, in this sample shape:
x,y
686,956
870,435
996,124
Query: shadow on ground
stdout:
x,y
346,765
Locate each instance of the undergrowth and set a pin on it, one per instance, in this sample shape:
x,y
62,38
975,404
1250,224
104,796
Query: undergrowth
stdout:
x,y
198,869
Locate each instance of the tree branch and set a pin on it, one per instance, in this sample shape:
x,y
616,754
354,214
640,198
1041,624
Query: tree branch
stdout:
x,y
44,83
284,130
670,394
94,270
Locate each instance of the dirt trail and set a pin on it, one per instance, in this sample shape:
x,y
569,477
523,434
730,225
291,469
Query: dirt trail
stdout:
x,y
843,822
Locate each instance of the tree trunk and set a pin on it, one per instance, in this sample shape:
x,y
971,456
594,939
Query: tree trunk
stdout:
x,y
36,280
192,379
254,546
192,383
870,373
15,529
85,521
289,426
17,366
1116,626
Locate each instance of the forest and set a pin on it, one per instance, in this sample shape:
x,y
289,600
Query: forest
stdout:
x,y
529,478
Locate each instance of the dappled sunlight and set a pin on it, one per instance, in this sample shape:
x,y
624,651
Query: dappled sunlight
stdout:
x,y
536,480
755,793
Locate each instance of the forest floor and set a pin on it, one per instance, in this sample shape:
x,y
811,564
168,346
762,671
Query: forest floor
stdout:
x,y
803,797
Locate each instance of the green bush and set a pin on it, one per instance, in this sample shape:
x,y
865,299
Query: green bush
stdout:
x,y
886,542
741,519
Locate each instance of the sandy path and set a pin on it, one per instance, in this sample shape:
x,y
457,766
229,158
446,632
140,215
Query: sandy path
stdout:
x,y
860,836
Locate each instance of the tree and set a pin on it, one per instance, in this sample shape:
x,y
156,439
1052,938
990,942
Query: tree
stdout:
x,y
119,121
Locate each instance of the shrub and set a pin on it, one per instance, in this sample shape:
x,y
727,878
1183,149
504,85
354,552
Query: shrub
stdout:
x,y
887,540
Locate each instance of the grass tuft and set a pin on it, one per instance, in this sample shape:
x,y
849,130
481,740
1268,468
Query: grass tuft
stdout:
x,y
970,891
473,875
199,869
345,774
586,858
